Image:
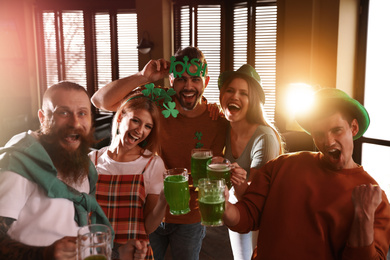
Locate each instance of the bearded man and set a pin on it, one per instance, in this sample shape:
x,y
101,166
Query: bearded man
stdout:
x,y
47,181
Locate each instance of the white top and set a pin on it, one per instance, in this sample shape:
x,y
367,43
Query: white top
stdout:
x,y
153,176
40,220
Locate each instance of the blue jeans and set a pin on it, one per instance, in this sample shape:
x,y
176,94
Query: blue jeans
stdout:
x,y
185,240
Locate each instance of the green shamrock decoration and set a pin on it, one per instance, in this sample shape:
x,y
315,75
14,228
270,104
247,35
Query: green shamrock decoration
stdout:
x,y
157,94
198,145
167,95
151,90
198,135
170,110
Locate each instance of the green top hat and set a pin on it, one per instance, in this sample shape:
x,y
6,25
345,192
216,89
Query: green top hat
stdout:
x,y
246,71
325,99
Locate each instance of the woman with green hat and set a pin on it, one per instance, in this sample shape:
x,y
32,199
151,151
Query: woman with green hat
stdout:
x,y
251,140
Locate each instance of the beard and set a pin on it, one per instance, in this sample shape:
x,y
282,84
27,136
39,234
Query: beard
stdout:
x,y
73,166
188,105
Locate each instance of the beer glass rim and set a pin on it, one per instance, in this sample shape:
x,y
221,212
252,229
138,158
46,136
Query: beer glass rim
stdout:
x,y
218,182
100,227
176,171
224,161
206,150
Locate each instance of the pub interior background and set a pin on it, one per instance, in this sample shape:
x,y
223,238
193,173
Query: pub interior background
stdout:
x,y
293,44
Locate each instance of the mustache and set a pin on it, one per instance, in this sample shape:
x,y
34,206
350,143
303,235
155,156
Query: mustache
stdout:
x,y
73,165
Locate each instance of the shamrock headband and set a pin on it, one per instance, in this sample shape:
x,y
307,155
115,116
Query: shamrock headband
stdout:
x,y
162,98
201,67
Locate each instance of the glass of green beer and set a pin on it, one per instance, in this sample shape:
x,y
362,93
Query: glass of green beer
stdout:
x,y
94,242
199,158
176,190
211,198
219,168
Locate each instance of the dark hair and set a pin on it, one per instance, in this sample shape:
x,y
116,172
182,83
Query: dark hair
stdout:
x,y
135,101
191,53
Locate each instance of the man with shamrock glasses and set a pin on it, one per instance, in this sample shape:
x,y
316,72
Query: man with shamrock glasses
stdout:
x,y
191,128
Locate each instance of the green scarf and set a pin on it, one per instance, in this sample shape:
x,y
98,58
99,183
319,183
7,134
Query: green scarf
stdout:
x,y
24,155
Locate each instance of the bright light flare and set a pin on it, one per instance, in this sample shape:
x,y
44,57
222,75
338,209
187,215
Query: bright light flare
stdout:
x,y
299,98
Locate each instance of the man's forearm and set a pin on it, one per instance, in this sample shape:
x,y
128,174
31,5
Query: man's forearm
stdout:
x,y
362,231
11,249
231,216
110,96
366,199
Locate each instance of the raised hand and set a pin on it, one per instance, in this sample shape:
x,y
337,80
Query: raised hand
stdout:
x,y
366,198
155,70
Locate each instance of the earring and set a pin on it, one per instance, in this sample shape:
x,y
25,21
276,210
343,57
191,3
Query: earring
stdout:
x,y
118,121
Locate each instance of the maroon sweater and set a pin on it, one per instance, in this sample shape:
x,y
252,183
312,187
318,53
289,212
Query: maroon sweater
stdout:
x,y
305,211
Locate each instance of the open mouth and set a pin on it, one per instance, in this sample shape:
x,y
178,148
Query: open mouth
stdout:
x,y
71,138
335,154
133,138
188,95
233,107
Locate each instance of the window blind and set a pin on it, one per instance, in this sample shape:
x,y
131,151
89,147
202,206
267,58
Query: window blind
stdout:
x,y
50,45
74,47
127,44
65,47
209,42
265,53
103,49
253,32
240,35
185,26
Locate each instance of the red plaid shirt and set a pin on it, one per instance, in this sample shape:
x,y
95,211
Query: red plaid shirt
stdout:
x,y
122,198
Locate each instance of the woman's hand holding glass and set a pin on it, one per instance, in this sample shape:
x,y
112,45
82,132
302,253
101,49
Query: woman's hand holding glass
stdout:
x,y
238,176
239,180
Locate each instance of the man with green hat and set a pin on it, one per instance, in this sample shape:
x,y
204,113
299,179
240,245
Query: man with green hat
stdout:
x,y
318,205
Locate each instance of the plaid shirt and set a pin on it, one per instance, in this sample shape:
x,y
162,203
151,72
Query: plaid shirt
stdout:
x,y
122,198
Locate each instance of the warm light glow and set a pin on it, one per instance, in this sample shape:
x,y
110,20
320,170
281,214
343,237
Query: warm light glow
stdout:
x,y
144,50
299,98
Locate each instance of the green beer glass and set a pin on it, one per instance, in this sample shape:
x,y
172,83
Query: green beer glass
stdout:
x,y
176,190
199,158
219,168
211,198
94,242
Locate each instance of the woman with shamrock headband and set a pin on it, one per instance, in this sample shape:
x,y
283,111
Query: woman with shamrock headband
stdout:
x,y
250,142
130,181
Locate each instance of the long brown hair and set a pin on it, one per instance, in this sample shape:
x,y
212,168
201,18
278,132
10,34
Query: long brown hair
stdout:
x,y
255,113
136,101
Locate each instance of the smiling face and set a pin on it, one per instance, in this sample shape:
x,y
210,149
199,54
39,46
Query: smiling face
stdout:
x,y
189,89
235,99
66,114
135,126
333,136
